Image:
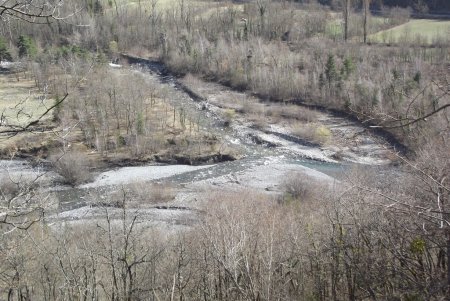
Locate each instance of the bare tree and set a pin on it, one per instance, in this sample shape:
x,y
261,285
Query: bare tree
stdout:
x,y
32,11
366,4
346,10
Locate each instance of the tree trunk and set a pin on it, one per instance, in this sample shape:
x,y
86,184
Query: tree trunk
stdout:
x,y
346,17
448,265
366,13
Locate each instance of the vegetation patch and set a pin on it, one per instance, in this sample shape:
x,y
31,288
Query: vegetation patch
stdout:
x,y
312,132
421,31
73,166
113,115
21,101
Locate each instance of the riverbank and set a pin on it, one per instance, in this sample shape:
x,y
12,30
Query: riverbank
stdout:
x,y
275,142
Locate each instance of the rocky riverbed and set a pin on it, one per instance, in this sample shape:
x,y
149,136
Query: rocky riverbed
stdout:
x,y
265,133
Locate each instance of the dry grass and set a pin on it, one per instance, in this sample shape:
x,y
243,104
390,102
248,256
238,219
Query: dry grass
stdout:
x,y
160,4
20,101
193,83
262,114
292,112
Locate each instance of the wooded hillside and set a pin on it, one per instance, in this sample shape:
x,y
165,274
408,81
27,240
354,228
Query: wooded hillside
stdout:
x,y
324,229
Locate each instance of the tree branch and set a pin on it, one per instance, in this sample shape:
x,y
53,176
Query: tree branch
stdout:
x,y
415,120
19,129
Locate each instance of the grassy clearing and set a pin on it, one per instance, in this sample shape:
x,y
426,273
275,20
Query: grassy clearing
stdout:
x,y
423,31
146,5
20,104
20,100
335,26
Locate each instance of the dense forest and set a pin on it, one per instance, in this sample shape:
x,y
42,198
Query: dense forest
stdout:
x,y
375,232
421,6
432,5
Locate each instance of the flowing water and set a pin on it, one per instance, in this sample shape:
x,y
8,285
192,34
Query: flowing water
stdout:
x,y
267,158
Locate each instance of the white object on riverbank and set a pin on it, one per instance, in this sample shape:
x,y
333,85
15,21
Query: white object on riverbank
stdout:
x,y
112,65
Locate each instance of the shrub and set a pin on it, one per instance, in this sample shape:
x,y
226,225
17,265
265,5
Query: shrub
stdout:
x,y
229,116
312,132
72,166
322,134
299,187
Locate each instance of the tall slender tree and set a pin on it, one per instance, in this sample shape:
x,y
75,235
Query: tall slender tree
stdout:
x,y
346,11
366,7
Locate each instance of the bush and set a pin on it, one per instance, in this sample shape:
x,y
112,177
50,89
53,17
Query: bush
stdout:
x,y
322,134
73,167
229,116
312,132
299,187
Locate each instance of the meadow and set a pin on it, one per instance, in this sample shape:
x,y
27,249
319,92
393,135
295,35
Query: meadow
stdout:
x,y
419,31
20,100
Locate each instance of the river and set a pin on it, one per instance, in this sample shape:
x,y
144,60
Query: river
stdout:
x,y
269,156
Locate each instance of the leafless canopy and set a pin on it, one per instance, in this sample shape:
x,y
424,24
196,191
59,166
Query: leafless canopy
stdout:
x,y
33,11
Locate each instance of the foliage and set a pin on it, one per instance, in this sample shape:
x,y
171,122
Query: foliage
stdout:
x,y
67,50
347,68
322,134
27,46
229,116
140,123
113,47
417,77
330,69
5,55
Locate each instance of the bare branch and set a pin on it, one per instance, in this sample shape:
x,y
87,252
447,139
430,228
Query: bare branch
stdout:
x,y
423,118
16,129
31,11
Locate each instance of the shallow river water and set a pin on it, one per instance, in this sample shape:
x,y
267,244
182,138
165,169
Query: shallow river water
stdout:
x,y
266,161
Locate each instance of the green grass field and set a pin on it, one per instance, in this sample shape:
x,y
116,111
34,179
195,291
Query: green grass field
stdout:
x,y
415,31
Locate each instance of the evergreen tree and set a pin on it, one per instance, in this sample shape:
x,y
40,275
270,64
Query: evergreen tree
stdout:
x,y
330,69
347,68
5,55
27,47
